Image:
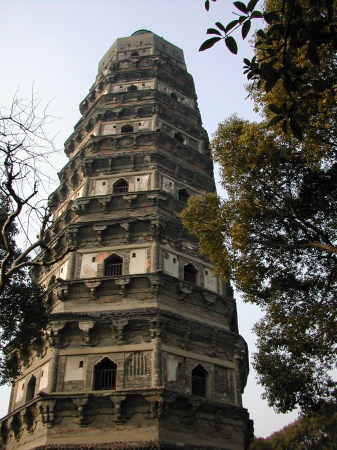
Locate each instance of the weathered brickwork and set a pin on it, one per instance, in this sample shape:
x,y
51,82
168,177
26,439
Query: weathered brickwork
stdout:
x,y
142,350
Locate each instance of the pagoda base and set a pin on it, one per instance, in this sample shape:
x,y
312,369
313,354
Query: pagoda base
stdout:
x,y
153,419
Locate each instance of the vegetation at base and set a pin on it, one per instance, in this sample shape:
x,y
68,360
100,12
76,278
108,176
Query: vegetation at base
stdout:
x,y
318,431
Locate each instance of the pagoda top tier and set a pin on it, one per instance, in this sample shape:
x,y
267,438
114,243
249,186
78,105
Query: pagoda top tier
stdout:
x,y
142,43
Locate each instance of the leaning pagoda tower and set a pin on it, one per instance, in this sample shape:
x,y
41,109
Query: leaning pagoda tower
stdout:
x,y
142,349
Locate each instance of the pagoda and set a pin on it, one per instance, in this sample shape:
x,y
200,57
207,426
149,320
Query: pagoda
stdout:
x,y
142,350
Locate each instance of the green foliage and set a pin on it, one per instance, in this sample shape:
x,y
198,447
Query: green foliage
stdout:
x,y
318,431
305,27
22,308
210,231
275,235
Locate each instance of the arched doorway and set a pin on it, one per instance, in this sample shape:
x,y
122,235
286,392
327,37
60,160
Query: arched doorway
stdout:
x,y
113,266
199,381
31,386
105,375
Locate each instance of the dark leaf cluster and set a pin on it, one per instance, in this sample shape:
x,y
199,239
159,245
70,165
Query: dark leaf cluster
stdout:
x,y
318,431
291,25
22,305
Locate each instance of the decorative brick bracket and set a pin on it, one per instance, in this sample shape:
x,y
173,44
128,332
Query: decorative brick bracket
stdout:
x,y
92,285
184,289
85,327
46,410
99,229
79,206
117,401
129,199
54,332
122,283
119,325
62,289
81,417
126,227
210,299
156,285
104,201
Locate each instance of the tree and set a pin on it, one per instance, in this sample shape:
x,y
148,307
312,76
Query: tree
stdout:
x,y
275,236
318,431
275,233
293,26
22,305
25,151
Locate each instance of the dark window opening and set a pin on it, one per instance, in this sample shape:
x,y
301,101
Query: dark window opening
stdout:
x,y
190,274
113,266
174,96
179,137
183,195
30,394
127,128
52,281
105,375
199,375
121,186
80,364
133,87
135,54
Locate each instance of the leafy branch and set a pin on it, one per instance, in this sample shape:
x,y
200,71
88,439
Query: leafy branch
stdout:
x,y
290,26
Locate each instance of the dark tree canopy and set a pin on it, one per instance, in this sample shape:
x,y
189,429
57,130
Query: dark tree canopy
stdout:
x,y
318,431
23,309
289,28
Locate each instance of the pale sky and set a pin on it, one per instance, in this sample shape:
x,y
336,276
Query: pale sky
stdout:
x,y
56,45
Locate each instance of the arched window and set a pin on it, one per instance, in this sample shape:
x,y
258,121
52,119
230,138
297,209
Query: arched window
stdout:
x,y
127,128
183,195
132,88
174,96
105,375
121,186
135,53
190,274
113,266
199,381
30,393
179,137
